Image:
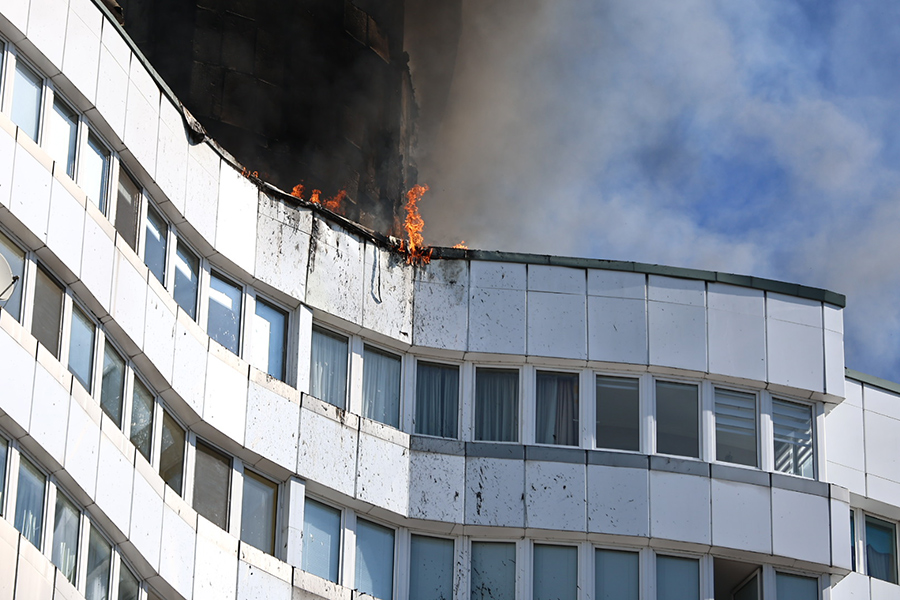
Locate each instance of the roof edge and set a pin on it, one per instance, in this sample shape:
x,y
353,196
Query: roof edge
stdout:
x,y
884,384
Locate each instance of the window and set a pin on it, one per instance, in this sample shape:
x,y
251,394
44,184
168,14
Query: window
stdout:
x,y
112,386
4,452
321,540
852,536
65,537
555,572
736,427
328,369
881,550
381,386
793,438
677,419
129,587
128,208
16,259
98,569
30,502
93,171
430,568
260,502
224,317
374,560
171,456
81,348
212,484
46,321
155,241
26,100
557,409
60,136
437,400
618,413
142,420
187,271
493,574
678,578
616,575
269,339
496,405
796,587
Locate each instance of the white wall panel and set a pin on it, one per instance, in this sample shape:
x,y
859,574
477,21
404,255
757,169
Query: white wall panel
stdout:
x,y
737,331
505,276
796,355
171,153
130,298
282,246
17,372
882,439
834,363
112,87
556,325
555,496
16,11
47,29
81,58
795,310
9,550
617,329
65,229
741,516
254,583
616,284
273,426
853,586
176,564
883,590
142,125
83,446
202,187
382,474
844,436
34,574
30,200
333,465
618,500
115,478
146,530
97,257
189,369
215,567
673,290
437,487
159,330
680,507
7,157
800,526
677,335
50,412
852,479
497,320
387,294
882,489
335,272
880,401
494,492
441,305
238,202
560,280
840,533
225,399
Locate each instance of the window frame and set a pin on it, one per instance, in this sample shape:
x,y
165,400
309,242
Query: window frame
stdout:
x,y
460,395
252,297
758,435
880,521
536,370
396,532
213,272
386,351
329,331
278,522
14,58
343,536
814,409
644,436
654,411
521,398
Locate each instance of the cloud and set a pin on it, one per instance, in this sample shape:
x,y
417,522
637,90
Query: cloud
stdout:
x,y
742,137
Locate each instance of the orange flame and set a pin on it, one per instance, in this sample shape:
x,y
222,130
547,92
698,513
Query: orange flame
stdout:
x,y
461,245
334,203
314,198
297,192
416,252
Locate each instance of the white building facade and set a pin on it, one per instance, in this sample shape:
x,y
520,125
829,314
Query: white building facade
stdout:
x,y
211,390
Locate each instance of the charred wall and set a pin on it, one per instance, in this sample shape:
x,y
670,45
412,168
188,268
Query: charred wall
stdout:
x,y
311,91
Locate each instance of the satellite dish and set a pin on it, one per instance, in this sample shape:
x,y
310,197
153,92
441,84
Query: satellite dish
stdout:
x,y
7,280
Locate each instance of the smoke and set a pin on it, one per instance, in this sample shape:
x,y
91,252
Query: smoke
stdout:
x,y
756,138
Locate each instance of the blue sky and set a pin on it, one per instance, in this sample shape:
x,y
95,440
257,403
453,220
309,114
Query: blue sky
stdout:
x,y
749,137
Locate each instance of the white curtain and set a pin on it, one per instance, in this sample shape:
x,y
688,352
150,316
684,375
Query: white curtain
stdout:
x,y
374,560
617,575
496,405
437,398
328,369
493,573
557,409
381,387
30,502
678,578
321,539
431,568
555,572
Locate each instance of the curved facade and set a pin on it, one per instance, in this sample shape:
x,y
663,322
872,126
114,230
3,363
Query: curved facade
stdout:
x,y
214,391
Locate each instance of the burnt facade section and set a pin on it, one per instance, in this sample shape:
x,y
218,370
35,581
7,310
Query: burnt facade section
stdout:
x,y
316,92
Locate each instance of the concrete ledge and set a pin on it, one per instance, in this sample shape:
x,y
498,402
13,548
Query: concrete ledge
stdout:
x,y
739,475
424,443
495,450
574,456
679,465
617,459
799,484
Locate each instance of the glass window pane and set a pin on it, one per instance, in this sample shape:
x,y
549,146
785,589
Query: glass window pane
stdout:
x,y
617,575
677,419
224,324
328,369
65,537
4,452
112,386
171,458
60,134
187,269
212,482
796,587
321,540
81,348
48,305
98,569
16,259
881,550
142,418
556,420
618,413
129,586
555,572
852,537
736,427
128,208
748,591
269,339
430,568
493,574
26,101
381,386
793,438
93,172
678,578
496,405
374,560
437,399
155,242
260,502
30,502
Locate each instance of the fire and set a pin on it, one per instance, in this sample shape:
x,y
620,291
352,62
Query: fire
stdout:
x,y
297,192
314,198
415,249
334,203
461,245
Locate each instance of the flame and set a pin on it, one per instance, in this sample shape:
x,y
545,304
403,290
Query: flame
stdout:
x,y
415,249
314,198
461,245
297,192
334,203
249,174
